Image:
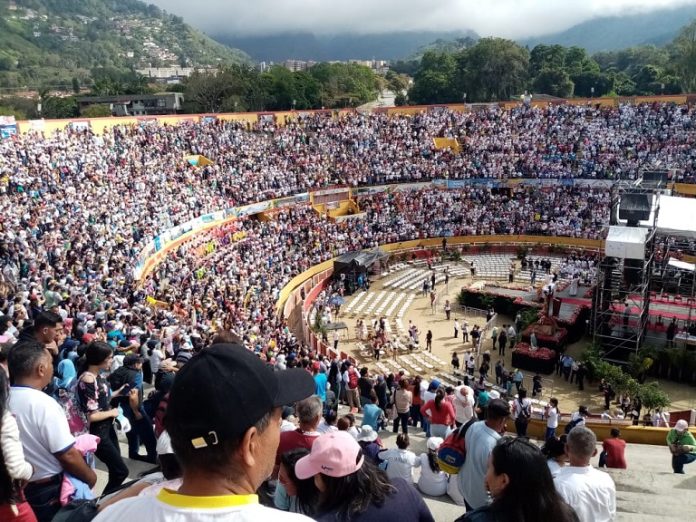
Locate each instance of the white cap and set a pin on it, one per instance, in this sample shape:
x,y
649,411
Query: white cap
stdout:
x,y
434,443
681,425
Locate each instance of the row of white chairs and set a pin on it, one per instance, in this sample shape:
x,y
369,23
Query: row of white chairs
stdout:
x,y
401,276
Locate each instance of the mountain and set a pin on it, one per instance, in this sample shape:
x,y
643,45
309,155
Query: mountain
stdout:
x,y
618,32
308,46
49,42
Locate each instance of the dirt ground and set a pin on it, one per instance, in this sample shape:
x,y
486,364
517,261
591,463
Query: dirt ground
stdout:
x,y
569,396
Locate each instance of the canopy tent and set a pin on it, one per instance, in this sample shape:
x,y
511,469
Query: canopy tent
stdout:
x,y
677,216
197,160
355,262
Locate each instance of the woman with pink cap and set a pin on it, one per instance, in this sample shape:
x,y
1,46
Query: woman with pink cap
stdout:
x,y
353,489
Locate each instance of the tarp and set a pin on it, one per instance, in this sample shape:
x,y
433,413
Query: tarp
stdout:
x,y
681,265
626,242
197,160
677,216
357,261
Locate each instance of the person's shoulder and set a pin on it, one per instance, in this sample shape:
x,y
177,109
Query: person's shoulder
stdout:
x,y
266,513
140,508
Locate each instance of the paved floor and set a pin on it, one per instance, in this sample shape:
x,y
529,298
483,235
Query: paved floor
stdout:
x,y
420,313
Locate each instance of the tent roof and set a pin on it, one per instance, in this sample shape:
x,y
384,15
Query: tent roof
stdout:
x,y
681,265
361,259
677,216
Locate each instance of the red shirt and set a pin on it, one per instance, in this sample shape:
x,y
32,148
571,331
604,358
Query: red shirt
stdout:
x,y
445,415
290,440
615,453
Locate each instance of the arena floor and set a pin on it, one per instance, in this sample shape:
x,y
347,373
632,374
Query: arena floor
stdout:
x,y
444,344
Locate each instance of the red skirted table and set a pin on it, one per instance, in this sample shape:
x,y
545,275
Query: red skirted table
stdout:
x,y
541,360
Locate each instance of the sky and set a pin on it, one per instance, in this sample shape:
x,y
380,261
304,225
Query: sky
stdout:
x,y
504,18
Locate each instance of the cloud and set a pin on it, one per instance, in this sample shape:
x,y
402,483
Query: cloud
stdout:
x,y
506,18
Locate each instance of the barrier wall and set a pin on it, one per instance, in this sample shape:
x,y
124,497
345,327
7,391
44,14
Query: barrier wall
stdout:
x,y
99,124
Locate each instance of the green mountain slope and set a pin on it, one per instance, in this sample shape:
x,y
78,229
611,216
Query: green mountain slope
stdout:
x,y
49,42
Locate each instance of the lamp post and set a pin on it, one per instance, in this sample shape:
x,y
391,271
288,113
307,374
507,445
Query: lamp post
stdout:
x,y
294,102
662,89
591,92
464,97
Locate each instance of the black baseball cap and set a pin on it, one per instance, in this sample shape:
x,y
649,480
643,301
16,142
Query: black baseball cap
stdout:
x,y
225,390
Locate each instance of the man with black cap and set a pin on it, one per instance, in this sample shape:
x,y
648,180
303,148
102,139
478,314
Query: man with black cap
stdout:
x,y
224,419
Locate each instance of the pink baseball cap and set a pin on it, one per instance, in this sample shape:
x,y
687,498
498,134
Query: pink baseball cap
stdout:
x,y
335,454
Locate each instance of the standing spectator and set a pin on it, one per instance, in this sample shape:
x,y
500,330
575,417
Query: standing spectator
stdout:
x,y
440,414
43,429
682,445
494,336
499,370
521,487
448,309
613,450
351,378
320,381
372,414
502,340
308,412
225,451
455,362
522,412
14,470
518,379
512,336
465,331
552,414
432,481
352,488
590,492
95,395
418,391
402,401
365,386
671,332
429,341
456,328
463,404
141,431
400,460
481,438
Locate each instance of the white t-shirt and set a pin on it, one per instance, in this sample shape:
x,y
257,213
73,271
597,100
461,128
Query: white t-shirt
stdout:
x,y
463,407
519,405
169,506
43,430
400,463
430,482
552,418
590,492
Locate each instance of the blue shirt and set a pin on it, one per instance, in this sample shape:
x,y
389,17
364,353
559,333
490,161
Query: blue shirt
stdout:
x,y
480,441
320,386
371,413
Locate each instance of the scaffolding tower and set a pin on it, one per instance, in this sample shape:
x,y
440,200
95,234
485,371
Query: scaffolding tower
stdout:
x,y
621,307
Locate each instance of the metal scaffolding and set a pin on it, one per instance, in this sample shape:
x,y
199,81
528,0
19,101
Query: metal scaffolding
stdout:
x,y
622,296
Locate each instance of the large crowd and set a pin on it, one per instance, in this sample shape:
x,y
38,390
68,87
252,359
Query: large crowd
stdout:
x,y
77,208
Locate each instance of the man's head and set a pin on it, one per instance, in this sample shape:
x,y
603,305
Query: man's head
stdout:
x,y
30,364
581,446
497,414
308,412
615,432
224,414
48,328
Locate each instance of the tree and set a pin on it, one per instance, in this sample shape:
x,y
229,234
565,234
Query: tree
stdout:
x,y
546,57
493,69
652,396
75,85
56,107
11,111
592,84
554,82
684,49
434,81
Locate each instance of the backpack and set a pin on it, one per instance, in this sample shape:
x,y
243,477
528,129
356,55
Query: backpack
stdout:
x,y
352,379
452,452
571,425
69,402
